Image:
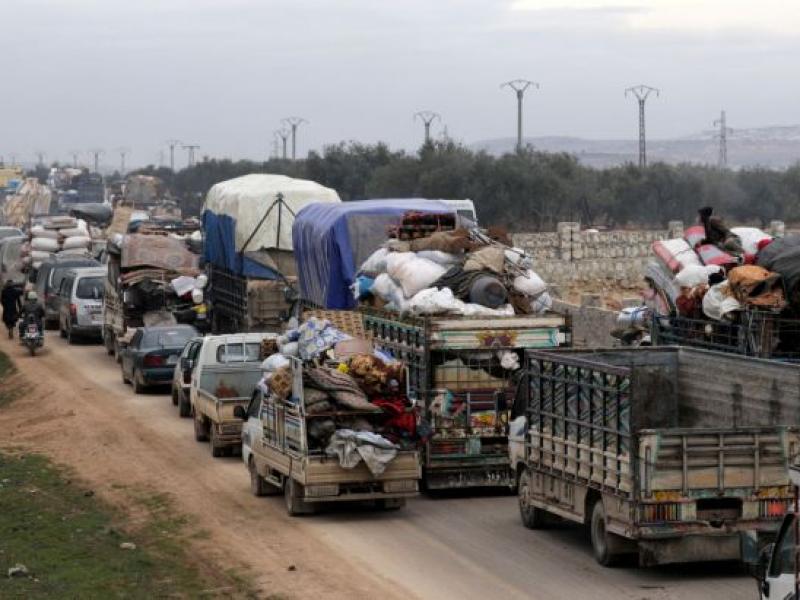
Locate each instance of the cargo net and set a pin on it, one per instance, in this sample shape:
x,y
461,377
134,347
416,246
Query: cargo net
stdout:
x,y
579,420
751,333
472,390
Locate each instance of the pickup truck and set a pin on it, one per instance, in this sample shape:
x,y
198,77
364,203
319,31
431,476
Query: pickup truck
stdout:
x,y
457,372
226,371
279,457
676,454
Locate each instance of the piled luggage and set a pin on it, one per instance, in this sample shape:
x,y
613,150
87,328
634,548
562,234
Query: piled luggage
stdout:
x,y
65,236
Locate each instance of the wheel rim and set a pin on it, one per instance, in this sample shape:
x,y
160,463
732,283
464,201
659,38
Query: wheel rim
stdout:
x,y
599,534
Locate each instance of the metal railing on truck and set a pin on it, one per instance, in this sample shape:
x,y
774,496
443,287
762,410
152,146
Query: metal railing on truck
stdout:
x,y
754,333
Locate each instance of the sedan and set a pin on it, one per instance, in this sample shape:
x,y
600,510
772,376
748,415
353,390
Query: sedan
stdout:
x,y
150,357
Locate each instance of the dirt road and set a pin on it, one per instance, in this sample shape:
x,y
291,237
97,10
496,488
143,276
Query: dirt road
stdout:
x,y
457,547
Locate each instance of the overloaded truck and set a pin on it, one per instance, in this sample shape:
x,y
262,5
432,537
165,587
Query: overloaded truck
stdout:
x,y
278,450
226,371
247,225
677,454
140,290
463,370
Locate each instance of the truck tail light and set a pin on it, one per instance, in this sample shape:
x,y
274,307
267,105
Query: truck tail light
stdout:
x,y
773,508
658,513
153,360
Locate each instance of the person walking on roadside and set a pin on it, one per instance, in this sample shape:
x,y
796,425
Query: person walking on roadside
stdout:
x,y
10,298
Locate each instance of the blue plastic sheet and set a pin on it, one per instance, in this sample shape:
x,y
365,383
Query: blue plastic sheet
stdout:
x,y
219,248
332,240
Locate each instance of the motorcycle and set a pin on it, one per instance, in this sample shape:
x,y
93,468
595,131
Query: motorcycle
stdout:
x,y
32,335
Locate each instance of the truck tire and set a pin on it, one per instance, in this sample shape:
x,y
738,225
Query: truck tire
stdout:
x,y
601,539
532,516
108,341
216,449
293,495
184,408
258,486
175,396
200,433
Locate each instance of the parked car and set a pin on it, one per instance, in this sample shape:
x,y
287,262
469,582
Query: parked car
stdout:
x,y
80,303
10,264
152,354
182,376
48,281
7,232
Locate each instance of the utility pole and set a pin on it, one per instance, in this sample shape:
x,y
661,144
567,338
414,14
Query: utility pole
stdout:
x,y
172,144
427,117
75,154
641,92
275,153
13,156
724,130
283,133
190,148
122,153
40,158
96,152
294,122
519,86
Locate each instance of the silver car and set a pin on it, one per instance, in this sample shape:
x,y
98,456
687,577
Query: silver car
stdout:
x,y
81,303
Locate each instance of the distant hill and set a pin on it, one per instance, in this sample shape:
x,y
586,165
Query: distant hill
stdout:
x,y
775,147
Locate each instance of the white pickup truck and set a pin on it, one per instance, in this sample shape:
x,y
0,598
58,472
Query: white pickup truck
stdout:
x,y
227,370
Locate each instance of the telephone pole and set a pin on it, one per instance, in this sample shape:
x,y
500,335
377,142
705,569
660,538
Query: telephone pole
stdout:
x,y
122,153
427,117
190,148
519,86
724,130
172,144
294,123
283,133
96,152
641,92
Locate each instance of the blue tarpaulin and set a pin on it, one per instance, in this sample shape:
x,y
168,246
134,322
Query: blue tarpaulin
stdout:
x,y
219,248
332,240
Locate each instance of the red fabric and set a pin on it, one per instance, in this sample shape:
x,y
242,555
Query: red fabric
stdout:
x,y
763,243
400,419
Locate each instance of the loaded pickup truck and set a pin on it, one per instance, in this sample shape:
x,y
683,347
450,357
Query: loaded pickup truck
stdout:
x,y
675,454
226,371
277,451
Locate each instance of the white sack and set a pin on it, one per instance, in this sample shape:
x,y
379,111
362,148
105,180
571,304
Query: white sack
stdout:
x,y
530,285
717,304
376,263
74,231
74,252
275,362
542,303
40,255
183,285
41,232
44,244
291,349
36,264
693,275
412,273
387,290
440,258
76,241
750,237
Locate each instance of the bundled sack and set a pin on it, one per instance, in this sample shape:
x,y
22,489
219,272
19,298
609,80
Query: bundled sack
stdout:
x,y
376,262
76,241
38,231
756,286
340,386
44,244
490,258
694,235
452,242
387,290
676,254
718,302
75,252
414,274
713,255
39,255
695,275
750,237
530,284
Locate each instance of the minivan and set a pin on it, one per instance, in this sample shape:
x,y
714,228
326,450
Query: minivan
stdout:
x,y
80,299
48,281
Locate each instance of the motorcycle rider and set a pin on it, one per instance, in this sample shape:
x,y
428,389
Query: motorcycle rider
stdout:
x,y
31,308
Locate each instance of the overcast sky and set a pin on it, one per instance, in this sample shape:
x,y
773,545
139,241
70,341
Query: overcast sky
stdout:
x,y
221,73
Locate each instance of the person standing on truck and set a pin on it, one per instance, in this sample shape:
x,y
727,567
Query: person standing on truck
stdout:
x,y
10,298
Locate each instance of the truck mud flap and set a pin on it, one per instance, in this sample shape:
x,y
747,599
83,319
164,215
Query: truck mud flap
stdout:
x,y
691,548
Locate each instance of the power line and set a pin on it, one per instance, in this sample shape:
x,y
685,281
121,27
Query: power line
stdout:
x,y
427,117
122,153
641,92
283,133
724,130
294,122
172,144
519,86
190,148
96,152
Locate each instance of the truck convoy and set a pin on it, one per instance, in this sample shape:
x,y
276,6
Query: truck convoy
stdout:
x,y
676,454
248,248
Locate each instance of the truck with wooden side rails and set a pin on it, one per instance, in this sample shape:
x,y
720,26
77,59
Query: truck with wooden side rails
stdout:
x,y
675,454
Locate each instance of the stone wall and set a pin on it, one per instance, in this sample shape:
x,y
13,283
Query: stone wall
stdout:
x,y
571,256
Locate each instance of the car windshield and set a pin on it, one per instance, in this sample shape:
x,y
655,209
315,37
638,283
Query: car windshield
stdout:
x,y
172,338
89,288
238,352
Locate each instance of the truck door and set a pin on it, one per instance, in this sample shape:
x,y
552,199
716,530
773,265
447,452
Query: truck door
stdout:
x,y
252,428
781,578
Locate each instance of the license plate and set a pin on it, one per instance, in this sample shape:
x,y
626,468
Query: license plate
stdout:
x,y
32,329
172,360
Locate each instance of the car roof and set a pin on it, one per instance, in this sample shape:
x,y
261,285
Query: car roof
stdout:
x,y
12,239
168,328
88,271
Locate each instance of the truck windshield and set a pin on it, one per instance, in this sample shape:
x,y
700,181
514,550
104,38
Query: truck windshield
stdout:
x,y
89,288
238,352
783,559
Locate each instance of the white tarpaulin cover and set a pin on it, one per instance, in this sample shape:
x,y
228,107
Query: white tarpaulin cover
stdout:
x,y
246,199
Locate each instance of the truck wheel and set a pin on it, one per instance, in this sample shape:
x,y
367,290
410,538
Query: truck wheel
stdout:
x,y
61,333
70,337
601,538
293,494
124,379
216,449
200,433
184,408
109,343
532,516
257,484
175,396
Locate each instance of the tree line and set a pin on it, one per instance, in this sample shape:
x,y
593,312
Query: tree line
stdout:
x,y
526,190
